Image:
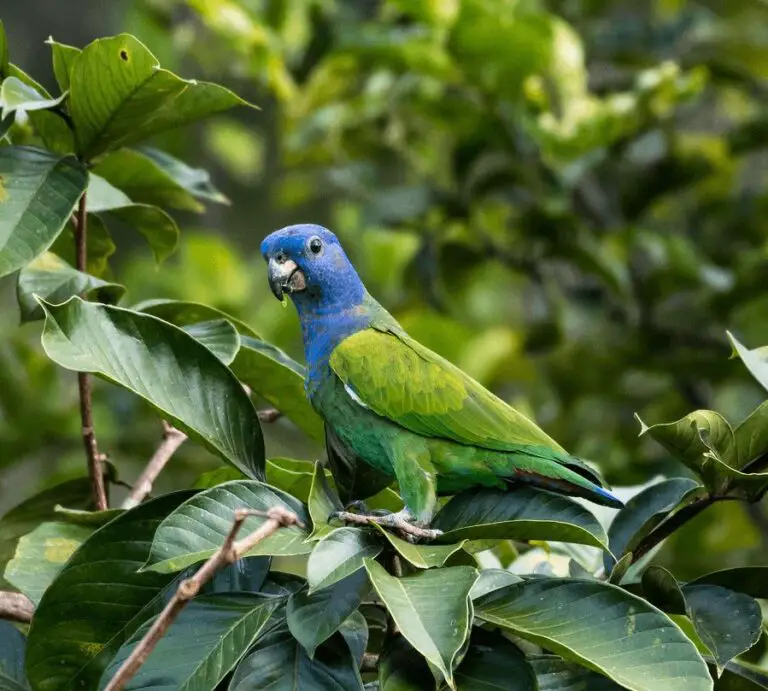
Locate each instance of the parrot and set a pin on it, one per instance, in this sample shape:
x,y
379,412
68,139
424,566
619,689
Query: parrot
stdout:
x,y
400,407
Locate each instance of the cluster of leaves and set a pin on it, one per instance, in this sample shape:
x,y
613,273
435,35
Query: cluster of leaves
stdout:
x,y
322,605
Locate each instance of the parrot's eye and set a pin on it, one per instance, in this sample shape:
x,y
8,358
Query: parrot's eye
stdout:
x,y
315,245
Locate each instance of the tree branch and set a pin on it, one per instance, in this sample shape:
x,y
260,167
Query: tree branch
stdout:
x,y
16,607
228,553
83,383
269,415
172,440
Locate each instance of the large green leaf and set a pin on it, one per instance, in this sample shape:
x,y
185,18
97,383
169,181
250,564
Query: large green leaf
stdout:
x,y
25,517
643,512
184,313
521,513
164,365
278,662
55,281
323,501
756,360
752,436
119,96
603,627
491,663
312,619
38,193
97,601
219,336
270,373
752,580
431,609
292,476
199,526
16,96
12,649
340,554
63,57
207,640
41,554
401,668
555,674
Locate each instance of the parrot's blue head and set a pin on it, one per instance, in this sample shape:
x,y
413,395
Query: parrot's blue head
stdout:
x,y
307,262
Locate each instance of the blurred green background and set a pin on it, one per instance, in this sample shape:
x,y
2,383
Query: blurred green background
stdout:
x,y
565,198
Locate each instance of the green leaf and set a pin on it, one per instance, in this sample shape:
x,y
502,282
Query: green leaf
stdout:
x,y
219,336
521,513
555,674
41,554
424,556
38,193
752,436
602,627
312,619
339,554
12,649
246,575
3,51
144,181
355,632
742,677
51,278
174,373
184,313
278,662
491,580
90,519
431,609
80,622
15,96
323,501
99,246
25,517
756,360
401,668
661,588
271,374
292,476
63,58
119,96
195,530
195,180
207,640
218,477
491,663
643,512
752,580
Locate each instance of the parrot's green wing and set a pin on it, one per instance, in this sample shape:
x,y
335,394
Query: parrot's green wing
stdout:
x,y
400,379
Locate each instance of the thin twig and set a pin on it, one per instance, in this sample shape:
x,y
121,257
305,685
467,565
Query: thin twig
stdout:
x,y
269,415
16,607
83,383
228,553
172,440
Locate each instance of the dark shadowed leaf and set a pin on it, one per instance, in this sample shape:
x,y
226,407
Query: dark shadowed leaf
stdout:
x,y
431,609
555,674
274,376
278,662
184,313
312,619
520,513
55,281
752,580
401,668
38,193
354,478
219,336
742,677
323,501
63,56
662,589
644,512
80,622
12,650
177,375
355,632
207,640
199,526
246,575
491,663
119,96
339,554
422,556
99,249
603,627
41,554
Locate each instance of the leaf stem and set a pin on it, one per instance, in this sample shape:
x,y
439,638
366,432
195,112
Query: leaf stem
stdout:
x,y
83,383
16,607
228,553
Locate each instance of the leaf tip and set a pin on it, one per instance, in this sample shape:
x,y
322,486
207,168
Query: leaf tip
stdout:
x,y
643,427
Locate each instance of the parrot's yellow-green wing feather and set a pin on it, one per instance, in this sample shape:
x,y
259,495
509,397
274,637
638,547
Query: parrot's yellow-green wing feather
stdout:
x,y
398,378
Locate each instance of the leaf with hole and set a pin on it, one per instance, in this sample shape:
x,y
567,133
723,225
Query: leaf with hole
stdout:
x,y
175,374
432,610
197,528
38,193
603,628
51,278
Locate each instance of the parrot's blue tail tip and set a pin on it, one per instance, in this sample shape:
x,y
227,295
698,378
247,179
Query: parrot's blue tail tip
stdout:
x,y
608,499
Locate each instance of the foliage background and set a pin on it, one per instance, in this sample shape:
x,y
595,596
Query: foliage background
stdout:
x,y
578,240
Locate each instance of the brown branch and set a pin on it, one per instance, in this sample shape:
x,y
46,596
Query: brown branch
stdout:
x,y
83,383
269,415
172,440
228,553
16,607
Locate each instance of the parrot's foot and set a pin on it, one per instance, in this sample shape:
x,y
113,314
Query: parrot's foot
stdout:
x,y
401,521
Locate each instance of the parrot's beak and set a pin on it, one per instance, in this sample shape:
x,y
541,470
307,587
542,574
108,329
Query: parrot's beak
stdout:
x,y
285,277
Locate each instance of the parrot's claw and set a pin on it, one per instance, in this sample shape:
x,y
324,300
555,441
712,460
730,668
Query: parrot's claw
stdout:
x,y
400,521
